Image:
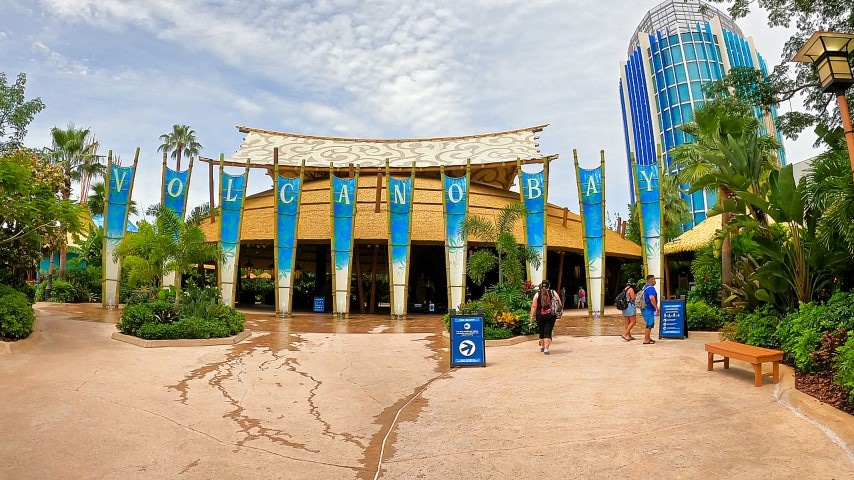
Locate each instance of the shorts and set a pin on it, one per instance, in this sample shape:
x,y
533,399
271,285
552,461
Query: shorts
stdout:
x,y
630,311
649,317
545,325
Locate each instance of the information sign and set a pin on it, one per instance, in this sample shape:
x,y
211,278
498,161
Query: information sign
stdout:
x,y
468,347
673,322
319,304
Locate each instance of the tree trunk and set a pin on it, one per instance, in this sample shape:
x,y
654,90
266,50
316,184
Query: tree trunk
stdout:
x,y
180,148
63,260
726,247
177,289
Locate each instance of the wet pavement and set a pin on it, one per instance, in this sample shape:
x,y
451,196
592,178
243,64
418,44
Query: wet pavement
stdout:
x,y
371,397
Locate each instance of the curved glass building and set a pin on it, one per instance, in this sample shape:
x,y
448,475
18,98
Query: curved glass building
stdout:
x,y
678,46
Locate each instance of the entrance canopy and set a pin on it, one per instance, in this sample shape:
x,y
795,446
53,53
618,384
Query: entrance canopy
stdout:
x,y
493,156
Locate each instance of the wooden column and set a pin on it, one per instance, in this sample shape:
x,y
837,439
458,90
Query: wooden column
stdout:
x,y
211,188
358,260
559,272
374,279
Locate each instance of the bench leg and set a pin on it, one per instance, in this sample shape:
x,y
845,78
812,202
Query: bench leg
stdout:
x,y
726,362
776,374
711,361
757,374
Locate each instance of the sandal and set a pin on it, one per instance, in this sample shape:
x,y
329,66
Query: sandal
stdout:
x,y
625,338
649,342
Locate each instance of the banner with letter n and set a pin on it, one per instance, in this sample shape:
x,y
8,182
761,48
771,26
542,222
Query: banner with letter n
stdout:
x,y
648,192
455,201
288,192
591,202
173,197
399,198
232,191
116,209
343,193
533,192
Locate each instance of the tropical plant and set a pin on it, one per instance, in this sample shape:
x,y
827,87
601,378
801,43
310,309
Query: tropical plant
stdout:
x,y
180,141
510,254
16,113
98,199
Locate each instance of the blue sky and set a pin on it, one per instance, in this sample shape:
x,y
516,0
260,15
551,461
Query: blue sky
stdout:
x,y
131,69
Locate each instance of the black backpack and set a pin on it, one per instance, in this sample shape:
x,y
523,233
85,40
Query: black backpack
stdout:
x,y
622,300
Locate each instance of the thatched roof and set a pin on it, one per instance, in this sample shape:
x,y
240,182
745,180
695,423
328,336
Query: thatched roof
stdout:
x,y
698,237
427,226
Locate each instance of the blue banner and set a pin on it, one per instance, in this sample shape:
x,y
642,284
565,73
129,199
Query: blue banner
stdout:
x,y
343,212
591,196
232,189
468,347
287,210
456,205
400,221
175,187
533,192
120,184
649,196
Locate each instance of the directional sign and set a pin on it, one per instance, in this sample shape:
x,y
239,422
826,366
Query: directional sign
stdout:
x,y
467,341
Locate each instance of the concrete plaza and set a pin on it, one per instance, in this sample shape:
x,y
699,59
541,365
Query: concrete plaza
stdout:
x,y
314,397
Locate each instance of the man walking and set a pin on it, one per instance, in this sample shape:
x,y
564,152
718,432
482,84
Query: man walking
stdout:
x,y
650,310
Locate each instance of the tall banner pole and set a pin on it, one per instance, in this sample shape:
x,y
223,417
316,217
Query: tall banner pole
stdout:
x,y
591,197
232,192
455,205
544,259
343,192
649,198
116,211
287,196
532,192
173,196
399,203
604,237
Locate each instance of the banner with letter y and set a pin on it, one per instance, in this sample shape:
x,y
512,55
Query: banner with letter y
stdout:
x,y
648,193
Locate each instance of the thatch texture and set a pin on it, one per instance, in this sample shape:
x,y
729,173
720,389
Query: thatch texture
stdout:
x,y
696,238
427,219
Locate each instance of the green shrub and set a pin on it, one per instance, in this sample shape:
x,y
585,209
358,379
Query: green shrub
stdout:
x,y
16,314
135,316
844,365
86,281
157,320
702,316
186,328
800,333
62,292
497,333
759,329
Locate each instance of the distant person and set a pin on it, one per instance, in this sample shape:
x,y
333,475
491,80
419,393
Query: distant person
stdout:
x,y
582,298
542,312
650,310
630,312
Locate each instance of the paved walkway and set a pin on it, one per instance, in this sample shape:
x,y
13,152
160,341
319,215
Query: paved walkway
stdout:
x,y
300,399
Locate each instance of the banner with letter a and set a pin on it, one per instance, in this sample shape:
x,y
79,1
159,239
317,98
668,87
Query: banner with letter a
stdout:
x,y
232,191
533,191
174,197
116,209
399,198
648,192
591,202
455,202
343,192
288,192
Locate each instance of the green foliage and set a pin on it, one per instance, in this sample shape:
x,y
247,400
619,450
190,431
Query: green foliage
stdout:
x,y
801,332
844,366
759,329
256,288
496,333
706,270
16,314
16,113
62,292
704,317
86,281
506,308
181,142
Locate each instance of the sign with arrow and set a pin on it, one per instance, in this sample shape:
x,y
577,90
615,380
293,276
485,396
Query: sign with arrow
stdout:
x,y
468,347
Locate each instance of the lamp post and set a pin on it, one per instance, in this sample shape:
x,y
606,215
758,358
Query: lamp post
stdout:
x,y
828,52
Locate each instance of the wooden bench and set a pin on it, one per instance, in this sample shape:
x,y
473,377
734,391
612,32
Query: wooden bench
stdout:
x,y
747,353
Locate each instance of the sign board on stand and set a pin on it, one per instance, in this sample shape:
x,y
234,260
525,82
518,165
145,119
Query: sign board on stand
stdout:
x,y
673,322
468,346
319,304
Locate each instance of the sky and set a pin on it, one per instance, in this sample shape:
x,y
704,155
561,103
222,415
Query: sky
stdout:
x,y
130,69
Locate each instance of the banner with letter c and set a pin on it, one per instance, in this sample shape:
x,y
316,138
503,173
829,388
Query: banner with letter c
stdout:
x,y
232,191
116,209
343,192
591,200
287,195
455,203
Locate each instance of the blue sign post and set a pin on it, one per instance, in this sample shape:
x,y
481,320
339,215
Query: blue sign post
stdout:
x,y
673,322
468,347
319,304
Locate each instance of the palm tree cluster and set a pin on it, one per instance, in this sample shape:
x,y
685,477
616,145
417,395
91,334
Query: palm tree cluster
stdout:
x,y
181,141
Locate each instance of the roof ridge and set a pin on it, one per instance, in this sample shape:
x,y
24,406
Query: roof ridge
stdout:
x,y
533,129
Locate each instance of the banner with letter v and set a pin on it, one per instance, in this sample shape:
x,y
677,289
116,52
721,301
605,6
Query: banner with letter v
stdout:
x,y
116,208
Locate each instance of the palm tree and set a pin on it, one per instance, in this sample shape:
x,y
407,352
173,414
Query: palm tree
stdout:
x,y
97,199
510,255
180,141
74,152
702,163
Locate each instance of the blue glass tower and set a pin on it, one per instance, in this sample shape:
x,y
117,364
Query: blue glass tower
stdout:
x,y
678,46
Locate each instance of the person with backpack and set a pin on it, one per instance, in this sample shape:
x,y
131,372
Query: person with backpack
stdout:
x,y
545,309
626,302
647,303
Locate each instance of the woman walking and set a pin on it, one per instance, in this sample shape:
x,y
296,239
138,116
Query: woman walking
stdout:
x,y
630,312
543,313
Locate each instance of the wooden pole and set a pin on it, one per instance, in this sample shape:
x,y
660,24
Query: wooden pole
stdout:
x,y
374,279
560,271
379,192
358,260
211,189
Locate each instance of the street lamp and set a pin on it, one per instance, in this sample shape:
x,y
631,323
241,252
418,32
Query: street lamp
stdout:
x,y
828,52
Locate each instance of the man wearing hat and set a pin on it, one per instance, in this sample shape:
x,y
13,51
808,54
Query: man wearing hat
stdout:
x,y
630,312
